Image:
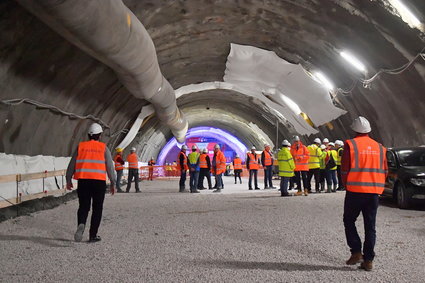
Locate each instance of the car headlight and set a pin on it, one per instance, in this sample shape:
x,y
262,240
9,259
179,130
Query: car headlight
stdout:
x,y
418,182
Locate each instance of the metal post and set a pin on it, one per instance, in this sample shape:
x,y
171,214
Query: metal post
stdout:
x,y
277,134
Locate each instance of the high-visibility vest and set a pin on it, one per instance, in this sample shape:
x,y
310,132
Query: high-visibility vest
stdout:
x,y
267,158
237,163
322,160
334,154
286,163
301,157
193,157
90,162
315,154
338,160
368,166
203,160
220,163
253,161
133,162
185,167
118,166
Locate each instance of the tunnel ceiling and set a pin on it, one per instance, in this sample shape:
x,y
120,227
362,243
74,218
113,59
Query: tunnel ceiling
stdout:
x,y
192,40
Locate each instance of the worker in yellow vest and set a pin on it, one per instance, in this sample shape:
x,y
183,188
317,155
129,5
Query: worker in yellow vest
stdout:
x,y
89,165
286,167
314,165
133,170
193,163
322,159
339,147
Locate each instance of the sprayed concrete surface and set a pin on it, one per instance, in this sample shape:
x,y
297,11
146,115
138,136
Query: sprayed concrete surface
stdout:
x,y
160,235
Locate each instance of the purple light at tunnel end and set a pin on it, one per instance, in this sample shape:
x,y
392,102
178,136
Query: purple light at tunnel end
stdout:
x,y
210,132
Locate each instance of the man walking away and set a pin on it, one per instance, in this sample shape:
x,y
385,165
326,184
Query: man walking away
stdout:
x,y
205,168
193,159
133,170
237,167
267,162
119,168
301,157
252,164
89,165
364,169
286,167
218,168
314,164
182,167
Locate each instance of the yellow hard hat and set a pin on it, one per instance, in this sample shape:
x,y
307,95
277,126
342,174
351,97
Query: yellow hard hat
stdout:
x,y
118,149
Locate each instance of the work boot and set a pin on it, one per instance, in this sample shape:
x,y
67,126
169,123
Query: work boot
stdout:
x,y
329,190
366,265
95,239
355,258
299,193
195,192
119,191
322,186
334,190
78,236
306,192
217,191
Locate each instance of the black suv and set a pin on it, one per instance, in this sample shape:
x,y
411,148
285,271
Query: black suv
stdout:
x,y
406,175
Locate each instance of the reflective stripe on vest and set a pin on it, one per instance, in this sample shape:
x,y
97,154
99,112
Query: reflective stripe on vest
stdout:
x,y
220,163
253,161
314,160
285,162
267,158
90,162
237,163
118,166
203,160
367,171
132,161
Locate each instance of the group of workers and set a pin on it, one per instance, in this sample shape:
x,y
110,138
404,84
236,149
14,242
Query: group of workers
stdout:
x,y
363,169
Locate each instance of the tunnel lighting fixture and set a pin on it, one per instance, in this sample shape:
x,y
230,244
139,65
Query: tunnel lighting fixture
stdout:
x,y
324,80
405,14
350,58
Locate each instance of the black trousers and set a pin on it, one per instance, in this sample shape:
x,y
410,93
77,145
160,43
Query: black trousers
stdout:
x,y
338,174
87,191
133,174
316,173
367,204
253,173
238,175
204,172
297,180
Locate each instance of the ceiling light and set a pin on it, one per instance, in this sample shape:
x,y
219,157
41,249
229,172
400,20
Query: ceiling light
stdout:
x,y
405,14
353,61
324,80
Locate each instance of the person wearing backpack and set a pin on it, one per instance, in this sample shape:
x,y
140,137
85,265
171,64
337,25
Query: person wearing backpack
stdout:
x,y
331,167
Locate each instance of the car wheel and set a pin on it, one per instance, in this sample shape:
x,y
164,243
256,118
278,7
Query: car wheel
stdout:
x,y
403,197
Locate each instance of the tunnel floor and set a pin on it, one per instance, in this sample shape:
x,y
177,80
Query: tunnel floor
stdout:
x,y
161,235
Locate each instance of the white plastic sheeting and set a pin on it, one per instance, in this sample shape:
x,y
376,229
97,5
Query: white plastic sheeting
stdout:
x,y
22,164
282,86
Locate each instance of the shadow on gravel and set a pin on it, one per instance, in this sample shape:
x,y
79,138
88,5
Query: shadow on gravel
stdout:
x,y
275,266
50,242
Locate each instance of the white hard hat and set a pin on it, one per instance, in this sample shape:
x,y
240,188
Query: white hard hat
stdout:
x,y
339,142
217,146
266,145
95,129
361,125
322,146
253,147
184,147
193,146
286,143
331,144
204,150
133,149
325,140
296,138
237,155
317,140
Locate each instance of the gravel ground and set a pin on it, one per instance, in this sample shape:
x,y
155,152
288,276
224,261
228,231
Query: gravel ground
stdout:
x,y
160,235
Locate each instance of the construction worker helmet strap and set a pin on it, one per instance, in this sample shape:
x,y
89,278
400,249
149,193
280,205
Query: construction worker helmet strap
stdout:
x,y
95,129
361,125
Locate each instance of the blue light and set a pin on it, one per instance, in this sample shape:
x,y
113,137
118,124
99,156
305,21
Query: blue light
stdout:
x,y
206,132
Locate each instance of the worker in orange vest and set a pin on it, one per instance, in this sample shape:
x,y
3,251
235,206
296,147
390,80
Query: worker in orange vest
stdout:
x,y
237,167
252,164
151,163
182,167
364,170
267,162
218,167
89,165
119,168
301,156
133,170
205,169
